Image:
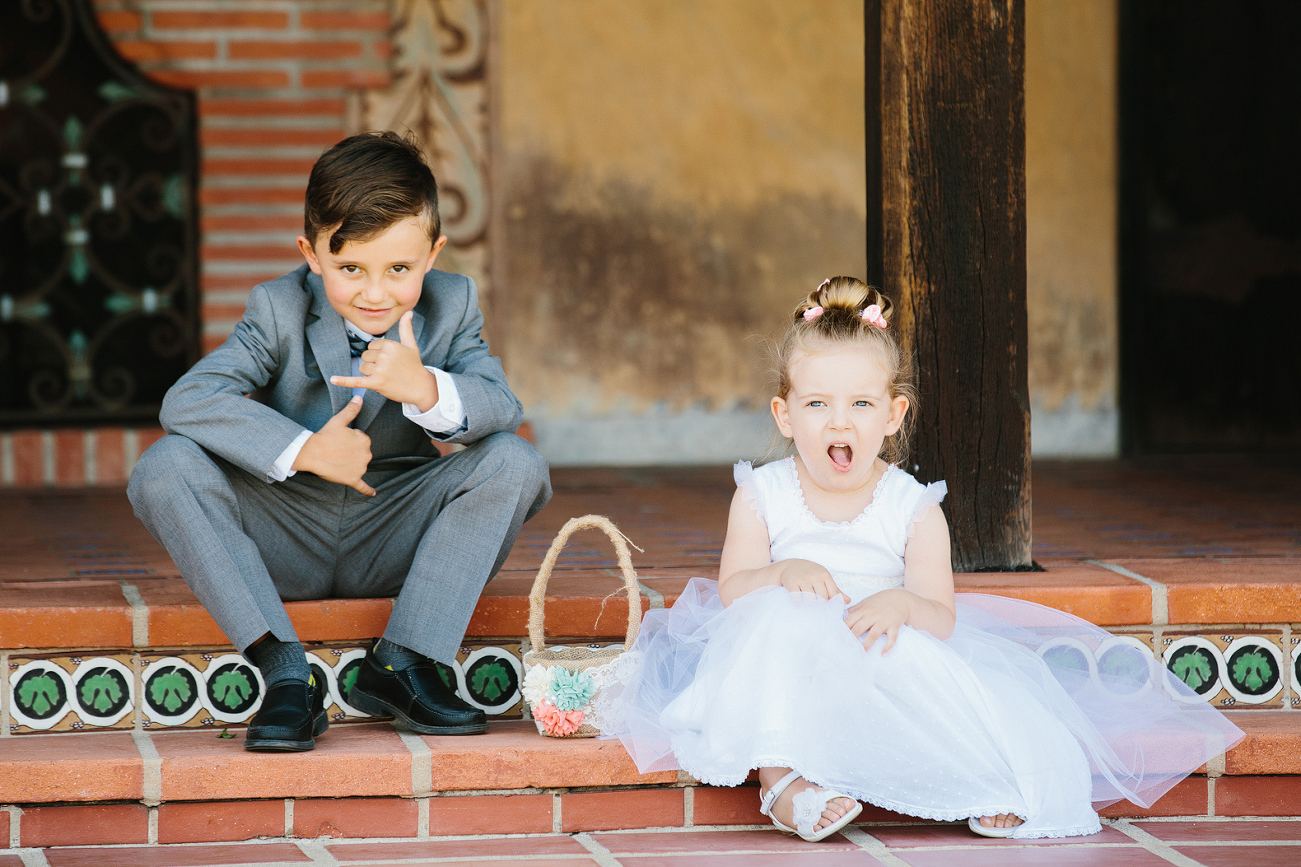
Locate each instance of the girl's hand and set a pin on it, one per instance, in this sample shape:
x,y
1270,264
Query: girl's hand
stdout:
x,y
805,576
880,614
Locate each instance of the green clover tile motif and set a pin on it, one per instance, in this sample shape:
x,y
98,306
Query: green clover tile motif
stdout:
x,y
40,695
1196,667
1253,671
171,691
103,691
348,677
447,673
491,680
1125,668
233,688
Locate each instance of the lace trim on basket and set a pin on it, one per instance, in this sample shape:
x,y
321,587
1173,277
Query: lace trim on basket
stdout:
x,y
932,496
743,475
607,712
861,516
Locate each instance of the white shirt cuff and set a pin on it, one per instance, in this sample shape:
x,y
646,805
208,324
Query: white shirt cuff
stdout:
x,y
283,468
446,416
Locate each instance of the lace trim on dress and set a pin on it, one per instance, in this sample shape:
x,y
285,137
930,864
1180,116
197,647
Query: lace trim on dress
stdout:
x,y
743,474
932,496
861,516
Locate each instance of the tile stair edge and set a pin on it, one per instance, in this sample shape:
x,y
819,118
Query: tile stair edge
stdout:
x,y
1160,594
139,614
510,769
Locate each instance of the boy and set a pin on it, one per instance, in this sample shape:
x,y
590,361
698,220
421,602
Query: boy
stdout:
x,y
326,483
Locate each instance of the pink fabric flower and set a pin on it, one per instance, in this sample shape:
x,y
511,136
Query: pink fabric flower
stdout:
x,y
872,313
812,313
557,722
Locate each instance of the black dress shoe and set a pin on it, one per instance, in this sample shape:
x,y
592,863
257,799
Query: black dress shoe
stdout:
x,y
291,717
416,697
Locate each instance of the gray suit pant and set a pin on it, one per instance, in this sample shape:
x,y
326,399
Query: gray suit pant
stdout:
x,y
433,535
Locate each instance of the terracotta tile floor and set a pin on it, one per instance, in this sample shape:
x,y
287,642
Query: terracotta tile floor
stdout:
x,y
1122,844
1222,538
1219,538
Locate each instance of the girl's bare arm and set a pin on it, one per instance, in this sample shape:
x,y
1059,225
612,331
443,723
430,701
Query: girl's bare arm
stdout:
x,y
747,565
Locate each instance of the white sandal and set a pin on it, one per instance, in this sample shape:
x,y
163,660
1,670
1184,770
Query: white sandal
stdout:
x,y
807,809
974,824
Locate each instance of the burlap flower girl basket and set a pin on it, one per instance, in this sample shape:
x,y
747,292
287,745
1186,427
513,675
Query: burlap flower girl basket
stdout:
x,y
562,685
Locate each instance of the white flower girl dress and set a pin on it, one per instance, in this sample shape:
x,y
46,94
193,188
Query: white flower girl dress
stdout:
x,y
1024,709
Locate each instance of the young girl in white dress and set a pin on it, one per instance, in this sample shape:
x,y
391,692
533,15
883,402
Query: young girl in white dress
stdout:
x,y
831,655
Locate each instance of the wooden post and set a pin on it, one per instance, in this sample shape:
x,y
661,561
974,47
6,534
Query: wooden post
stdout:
x,y
946,238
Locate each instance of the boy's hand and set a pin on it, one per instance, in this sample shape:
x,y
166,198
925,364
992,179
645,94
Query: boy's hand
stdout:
x,y
880,614
338,453
395,370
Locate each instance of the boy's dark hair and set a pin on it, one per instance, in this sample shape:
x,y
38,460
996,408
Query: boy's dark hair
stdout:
x,y
366,183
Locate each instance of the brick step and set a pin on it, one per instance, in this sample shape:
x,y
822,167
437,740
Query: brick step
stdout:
x,y
374,781
185,675
92,610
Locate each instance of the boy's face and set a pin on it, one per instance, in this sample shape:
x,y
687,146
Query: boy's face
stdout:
x,y
373,283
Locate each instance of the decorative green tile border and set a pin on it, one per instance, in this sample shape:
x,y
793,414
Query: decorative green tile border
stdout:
x,y
155,690
1232,668
216,687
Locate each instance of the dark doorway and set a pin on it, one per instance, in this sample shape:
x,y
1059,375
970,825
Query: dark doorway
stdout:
x,y
98,225
1210,246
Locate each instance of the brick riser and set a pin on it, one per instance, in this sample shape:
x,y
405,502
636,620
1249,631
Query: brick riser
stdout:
x,y
72,457
371,781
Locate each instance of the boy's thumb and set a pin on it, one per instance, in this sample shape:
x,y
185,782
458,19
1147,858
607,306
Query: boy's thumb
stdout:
x,y
406,333
349,411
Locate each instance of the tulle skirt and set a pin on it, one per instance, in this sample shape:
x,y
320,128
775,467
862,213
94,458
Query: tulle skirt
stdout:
x,y
1024,710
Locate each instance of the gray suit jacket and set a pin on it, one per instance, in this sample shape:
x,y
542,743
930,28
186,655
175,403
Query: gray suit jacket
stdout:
x,y
288,345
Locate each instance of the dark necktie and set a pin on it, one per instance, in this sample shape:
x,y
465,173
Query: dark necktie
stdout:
x,y
357,344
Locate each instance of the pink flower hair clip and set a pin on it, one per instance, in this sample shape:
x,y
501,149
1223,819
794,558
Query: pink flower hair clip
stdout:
x,y
812,313
872,314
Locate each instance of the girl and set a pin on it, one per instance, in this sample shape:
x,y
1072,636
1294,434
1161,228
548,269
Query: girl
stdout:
x,y
831,655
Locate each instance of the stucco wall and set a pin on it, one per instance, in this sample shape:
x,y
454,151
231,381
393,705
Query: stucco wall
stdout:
x,y
670,178
1070,97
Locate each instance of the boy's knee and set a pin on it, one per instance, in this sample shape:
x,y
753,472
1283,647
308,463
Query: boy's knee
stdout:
x,y
165,461
517,456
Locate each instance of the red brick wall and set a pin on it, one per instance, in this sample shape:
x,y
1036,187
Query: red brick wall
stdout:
x,y
272,80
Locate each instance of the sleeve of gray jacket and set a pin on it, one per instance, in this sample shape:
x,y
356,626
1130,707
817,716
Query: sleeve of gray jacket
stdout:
x,y
490,406
208,404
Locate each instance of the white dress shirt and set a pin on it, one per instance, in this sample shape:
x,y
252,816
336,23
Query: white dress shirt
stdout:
x,y
446,416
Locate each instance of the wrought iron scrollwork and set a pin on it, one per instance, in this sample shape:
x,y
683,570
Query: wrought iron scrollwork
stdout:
x,y
98,225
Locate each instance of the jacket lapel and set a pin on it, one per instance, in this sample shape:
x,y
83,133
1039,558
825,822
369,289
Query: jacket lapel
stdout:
x,y
329,341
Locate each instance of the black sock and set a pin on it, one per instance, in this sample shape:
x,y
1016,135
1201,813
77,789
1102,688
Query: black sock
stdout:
x,y
280,661
395,656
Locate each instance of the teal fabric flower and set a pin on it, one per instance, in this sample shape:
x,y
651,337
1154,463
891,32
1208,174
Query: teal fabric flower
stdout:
x,y
570,690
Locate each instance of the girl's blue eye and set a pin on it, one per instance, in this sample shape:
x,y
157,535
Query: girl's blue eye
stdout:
x,y
860,403
815,403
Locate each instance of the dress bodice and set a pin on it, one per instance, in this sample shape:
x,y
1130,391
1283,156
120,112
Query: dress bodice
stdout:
x,y
864,555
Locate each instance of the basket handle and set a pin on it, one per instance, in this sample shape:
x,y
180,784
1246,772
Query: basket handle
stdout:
x,y
537,598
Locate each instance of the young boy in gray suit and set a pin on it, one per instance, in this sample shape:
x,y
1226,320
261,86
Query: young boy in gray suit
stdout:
x,y
299,463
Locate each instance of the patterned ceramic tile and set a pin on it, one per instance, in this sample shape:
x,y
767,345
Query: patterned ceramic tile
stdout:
x,y
70,692
1229,668
217,687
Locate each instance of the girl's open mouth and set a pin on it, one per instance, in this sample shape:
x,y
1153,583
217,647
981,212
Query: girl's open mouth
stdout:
x,y
842,456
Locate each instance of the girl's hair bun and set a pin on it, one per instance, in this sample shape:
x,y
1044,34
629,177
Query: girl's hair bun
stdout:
x,y
842,300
